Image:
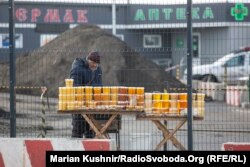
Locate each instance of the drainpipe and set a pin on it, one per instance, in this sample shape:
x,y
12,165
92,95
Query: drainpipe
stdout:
x,y
248,88
113,18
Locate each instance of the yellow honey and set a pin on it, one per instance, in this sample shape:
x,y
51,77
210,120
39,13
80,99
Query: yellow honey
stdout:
x,y
183,104
183,96
131,90
157,105
200,96
140,96
114,95
71,105
62,91
165,102
69,82
79,90
88,93
105,95
69,91
97,95
66,98
62,106
79,97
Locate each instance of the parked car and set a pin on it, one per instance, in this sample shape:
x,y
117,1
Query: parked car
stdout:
x,y
229,68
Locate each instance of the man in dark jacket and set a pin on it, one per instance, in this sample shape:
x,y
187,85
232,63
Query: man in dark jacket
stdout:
x,y
85,72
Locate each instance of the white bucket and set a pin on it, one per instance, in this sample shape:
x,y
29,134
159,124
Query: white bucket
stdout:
x,y
140,141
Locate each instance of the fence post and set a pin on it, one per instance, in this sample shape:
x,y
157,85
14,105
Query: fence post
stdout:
x,y
189,73
12,70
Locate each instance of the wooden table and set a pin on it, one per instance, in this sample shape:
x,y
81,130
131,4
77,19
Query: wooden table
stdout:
x,y
167,134
99,129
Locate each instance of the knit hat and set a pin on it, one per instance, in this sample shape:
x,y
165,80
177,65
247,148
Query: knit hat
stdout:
x,y
94,56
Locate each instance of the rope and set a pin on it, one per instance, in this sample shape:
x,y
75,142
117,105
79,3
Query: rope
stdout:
x,y
22,87
43,132
174,89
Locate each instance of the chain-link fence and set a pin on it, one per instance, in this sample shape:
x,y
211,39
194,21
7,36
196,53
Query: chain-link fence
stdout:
x,y
142,44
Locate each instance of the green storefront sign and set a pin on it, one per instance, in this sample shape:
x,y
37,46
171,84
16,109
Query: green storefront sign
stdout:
x,y
221,12
153,14
239,12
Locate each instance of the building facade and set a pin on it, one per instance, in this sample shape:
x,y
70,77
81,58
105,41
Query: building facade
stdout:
x,y
156,31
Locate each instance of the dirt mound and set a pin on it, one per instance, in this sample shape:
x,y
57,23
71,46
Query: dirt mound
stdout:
x,y
121,65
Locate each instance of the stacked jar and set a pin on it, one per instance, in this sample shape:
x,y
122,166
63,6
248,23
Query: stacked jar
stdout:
x,y
67,96
79,97
105,95
132,97
114,90
97,91
174,103
74,98
123,96
140,97
157,103
165,102
199,104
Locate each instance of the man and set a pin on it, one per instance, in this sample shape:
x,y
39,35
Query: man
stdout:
x,y
85,72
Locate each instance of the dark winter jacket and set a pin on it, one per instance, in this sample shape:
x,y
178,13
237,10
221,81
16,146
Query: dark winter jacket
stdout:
x,y
83,75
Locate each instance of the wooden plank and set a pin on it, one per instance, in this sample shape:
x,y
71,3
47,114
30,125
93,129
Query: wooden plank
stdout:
x,y
167,117
100,111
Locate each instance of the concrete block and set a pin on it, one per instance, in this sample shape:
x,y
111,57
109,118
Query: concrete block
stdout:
x,y
217,91
245,104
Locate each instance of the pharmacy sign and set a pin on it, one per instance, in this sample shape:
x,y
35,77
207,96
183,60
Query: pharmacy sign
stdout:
x,y
239,12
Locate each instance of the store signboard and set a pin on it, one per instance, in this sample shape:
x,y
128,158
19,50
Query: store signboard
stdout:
x,y
52,13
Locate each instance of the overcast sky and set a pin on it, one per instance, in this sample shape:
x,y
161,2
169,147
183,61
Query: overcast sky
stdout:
x,y
138,1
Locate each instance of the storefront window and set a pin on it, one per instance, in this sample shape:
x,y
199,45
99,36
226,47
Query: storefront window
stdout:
x,y
4,40
152,41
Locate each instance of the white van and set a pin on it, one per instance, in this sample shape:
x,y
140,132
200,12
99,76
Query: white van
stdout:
x,y
229,68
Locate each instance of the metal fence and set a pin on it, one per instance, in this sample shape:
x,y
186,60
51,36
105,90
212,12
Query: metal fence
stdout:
x,y
142,44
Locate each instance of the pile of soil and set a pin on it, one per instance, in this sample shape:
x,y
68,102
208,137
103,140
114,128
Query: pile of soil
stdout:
x,y
121,65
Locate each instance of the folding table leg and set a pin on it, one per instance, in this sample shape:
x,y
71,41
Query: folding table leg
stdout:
x,y
98,129
169,135
108,123
94,125
118,141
